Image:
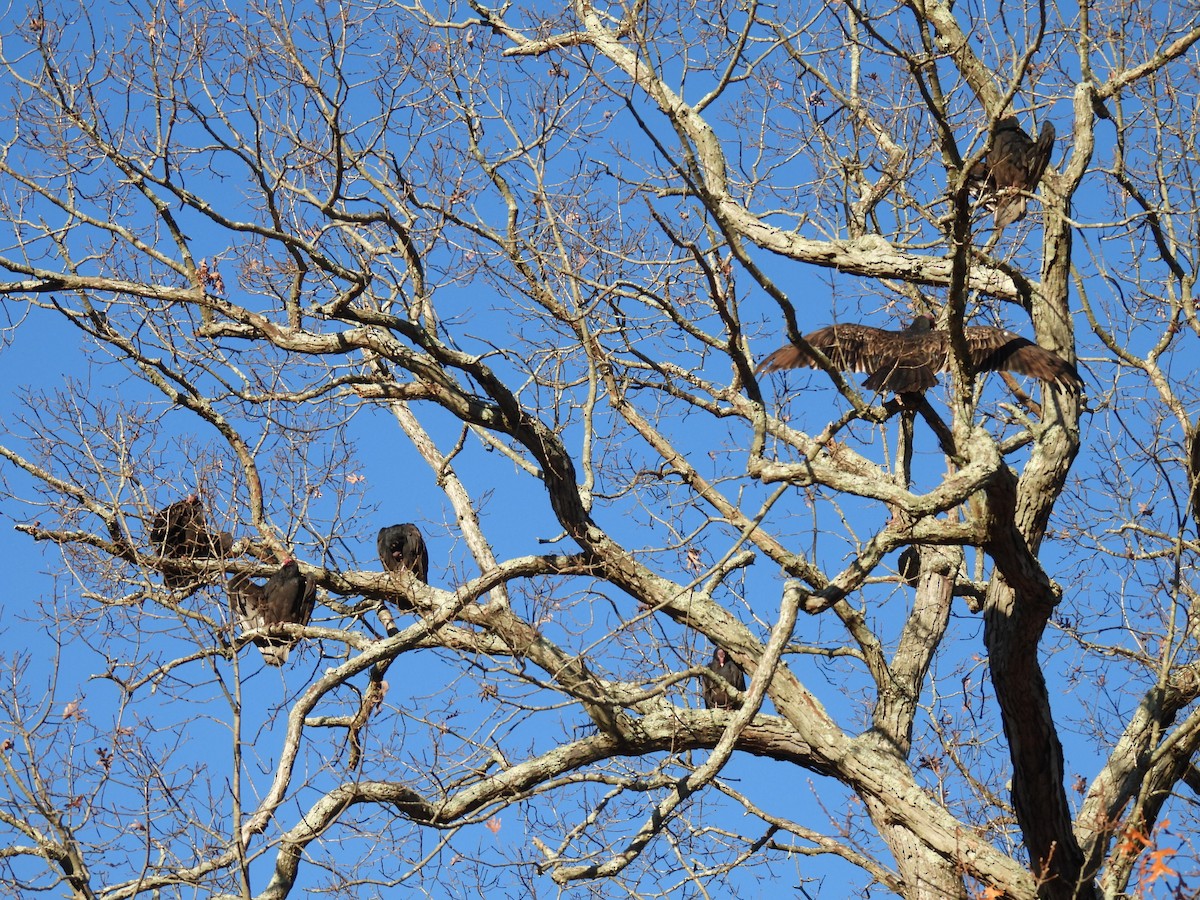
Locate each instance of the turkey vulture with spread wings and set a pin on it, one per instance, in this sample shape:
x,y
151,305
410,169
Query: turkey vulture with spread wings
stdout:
x,y
1012,170
287,597
402,547
179,531
909,360
715,696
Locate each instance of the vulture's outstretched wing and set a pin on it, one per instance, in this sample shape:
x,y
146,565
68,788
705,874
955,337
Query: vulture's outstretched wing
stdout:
x,y
288,597
997,350
909,360
248,603
1012,170
403,547
891,358
715,696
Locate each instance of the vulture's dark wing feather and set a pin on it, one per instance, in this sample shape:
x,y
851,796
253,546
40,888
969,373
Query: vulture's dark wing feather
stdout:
x,y
308,602
288,597
715,696
177,529
403,547
909,360
851,348
421,570
909,566
248,601
1009,159
382,544
895,360
1040,157
1013,169
180,531
995,350
250,605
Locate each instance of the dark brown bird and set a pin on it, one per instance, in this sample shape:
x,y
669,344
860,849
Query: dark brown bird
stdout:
x,y
287,597
1012,170
909,360
179,531
715,696
910,566
402,547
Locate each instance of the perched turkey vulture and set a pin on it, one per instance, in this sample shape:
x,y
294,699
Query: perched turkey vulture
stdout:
x,y
287,597
910,566
402,547
714,695
179,531
1012,170
908,360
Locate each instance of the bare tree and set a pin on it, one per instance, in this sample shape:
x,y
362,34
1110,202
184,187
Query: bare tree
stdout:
x,y
506,273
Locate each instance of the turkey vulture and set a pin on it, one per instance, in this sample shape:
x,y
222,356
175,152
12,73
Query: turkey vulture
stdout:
x,y
714,695
402,547
179,531
910,566
908,360
1012,170
287,598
